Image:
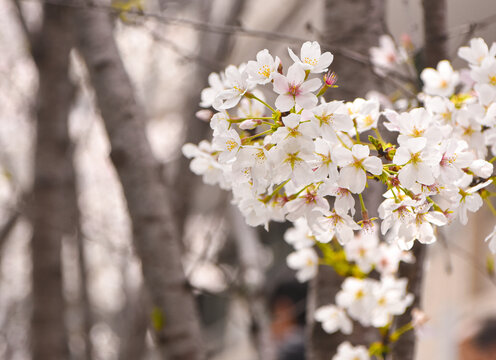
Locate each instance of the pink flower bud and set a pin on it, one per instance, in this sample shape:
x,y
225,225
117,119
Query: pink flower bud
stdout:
x,y
249,124
204,115
330,78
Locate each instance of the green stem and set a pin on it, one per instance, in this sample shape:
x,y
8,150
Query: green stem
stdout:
x,y
342,142
379,136
244,140
276,190
362,204
263,102
249,118
322,90
356,130
398,333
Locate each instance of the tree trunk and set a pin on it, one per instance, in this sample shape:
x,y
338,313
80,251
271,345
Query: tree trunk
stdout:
x,y
249,250
84,298
217,48
404,348
435,50
435,31
51,214
353,25
175,321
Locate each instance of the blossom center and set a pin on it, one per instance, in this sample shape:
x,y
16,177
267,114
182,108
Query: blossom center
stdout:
x,y
492,80
325,119
294,89
292,159
264,70
415,159
368,120
310,61
231,145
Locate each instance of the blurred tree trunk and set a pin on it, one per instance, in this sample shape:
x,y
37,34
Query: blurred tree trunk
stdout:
x,y
353,25
435,31
84,299
215,47
435,50
249,251
51,213
174,317
133,335
404,348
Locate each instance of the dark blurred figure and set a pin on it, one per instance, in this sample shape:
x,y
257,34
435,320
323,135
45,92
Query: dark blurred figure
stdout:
x,y
481,346
287,305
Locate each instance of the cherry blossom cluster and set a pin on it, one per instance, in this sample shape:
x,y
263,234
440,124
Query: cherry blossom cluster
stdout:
x,y
288,154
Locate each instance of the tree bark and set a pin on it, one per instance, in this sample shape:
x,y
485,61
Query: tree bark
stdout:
x,y
435,50
249,250
435,31
216,47
354,25
404,348
133,336
51,214
84,298
175,321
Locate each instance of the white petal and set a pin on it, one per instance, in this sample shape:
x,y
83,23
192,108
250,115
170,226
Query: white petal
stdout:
x,y
285,102
373,164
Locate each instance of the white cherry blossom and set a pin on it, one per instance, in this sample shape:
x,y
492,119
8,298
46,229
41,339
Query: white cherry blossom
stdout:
x,y
300,236
365,113
311,57
294,90
348,352
331,117
486,72
386,56
305,261
417,162
334,223
354,165
333,319
236,85
262,71
441,81
476,52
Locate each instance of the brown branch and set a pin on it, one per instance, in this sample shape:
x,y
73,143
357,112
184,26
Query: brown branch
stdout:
x,y
176,326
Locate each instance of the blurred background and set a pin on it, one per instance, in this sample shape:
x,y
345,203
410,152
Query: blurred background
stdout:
x,y
233,269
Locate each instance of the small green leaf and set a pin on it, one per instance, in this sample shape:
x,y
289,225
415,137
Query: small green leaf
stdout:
x,y
158,319
378,349
490,265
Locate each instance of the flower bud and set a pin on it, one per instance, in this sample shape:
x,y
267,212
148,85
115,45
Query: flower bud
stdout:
x,y
249,124
204,115
330,79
